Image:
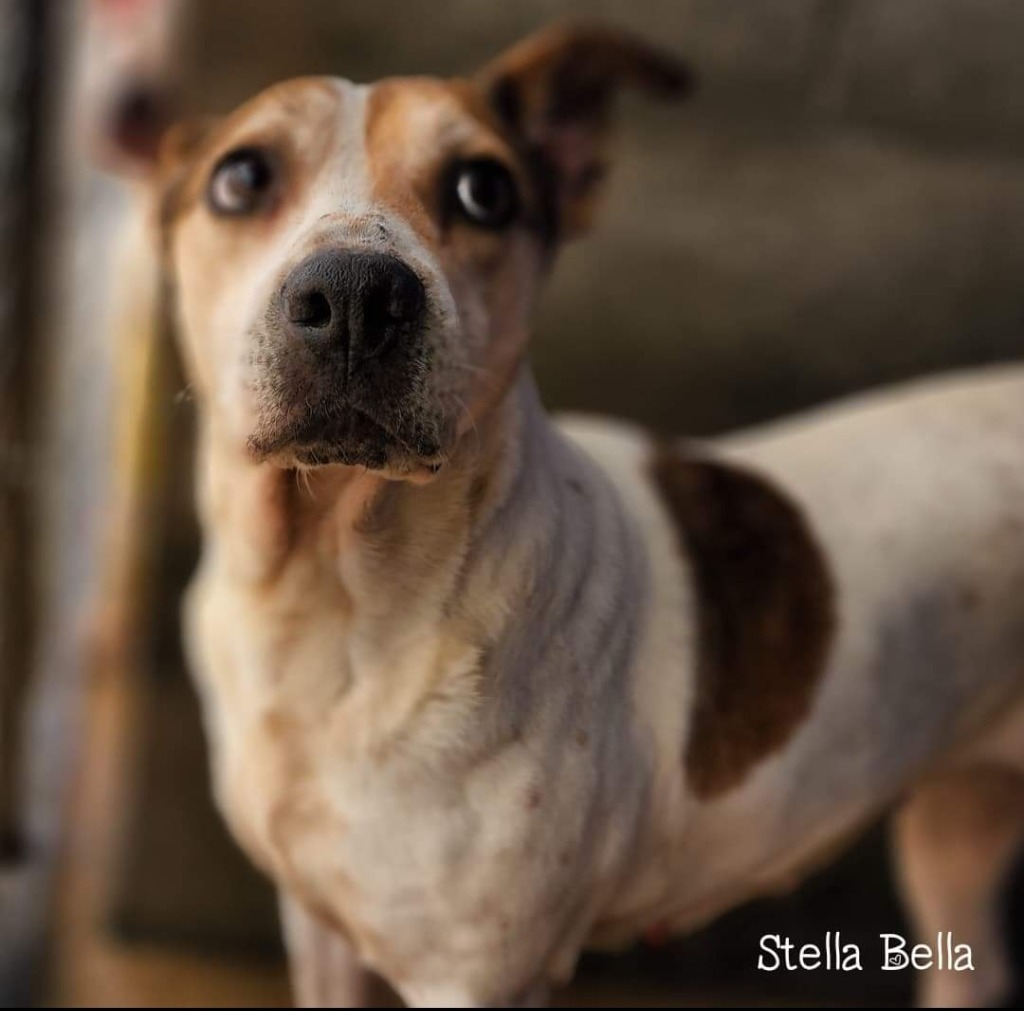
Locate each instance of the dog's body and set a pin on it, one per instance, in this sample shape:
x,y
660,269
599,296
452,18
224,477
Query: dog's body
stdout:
x,y
472,820
482,691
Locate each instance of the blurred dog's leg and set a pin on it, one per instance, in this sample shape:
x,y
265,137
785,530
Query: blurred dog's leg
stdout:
x,y
955,843
324,969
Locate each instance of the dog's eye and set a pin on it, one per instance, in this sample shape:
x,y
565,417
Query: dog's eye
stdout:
x,y
240,182
485,193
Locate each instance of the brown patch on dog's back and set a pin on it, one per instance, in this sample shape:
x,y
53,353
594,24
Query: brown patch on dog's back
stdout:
x,y
765,609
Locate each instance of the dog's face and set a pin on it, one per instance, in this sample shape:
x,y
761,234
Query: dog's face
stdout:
x,y
356,267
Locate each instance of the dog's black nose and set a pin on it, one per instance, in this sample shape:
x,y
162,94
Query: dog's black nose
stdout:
x,y
359,301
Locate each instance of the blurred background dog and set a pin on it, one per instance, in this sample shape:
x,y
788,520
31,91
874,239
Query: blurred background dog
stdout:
x,y
841,205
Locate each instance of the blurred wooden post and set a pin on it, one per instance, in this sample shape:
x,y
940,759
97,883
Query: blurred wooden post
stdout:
x,y
21,24
24,875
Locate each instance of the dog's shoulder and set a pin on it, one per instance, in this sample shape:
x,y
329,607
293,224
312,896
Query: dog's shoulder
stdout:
x,y
761,590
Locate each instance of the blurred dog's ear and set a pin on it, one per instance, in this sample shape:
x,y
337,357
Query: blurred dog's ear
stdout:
x,y
129,88
555,90
127,136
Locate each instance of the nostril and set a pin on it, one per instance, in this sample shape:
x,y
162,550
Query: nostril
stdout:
x,y
393,300
309,308
405,297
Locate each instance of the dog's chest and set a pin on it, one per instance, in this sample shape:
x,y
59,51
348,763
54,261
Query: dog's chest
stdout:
x,y
273,686
295,700
377,808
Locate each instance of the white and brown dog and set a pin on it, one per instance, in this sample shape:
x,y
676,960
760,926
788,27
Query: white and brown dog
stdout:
x,y
484,689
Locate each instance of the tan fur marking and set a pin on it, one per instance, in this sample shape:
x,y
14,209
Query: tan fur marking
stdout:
x,y
765,617
389,108
292,120
414,127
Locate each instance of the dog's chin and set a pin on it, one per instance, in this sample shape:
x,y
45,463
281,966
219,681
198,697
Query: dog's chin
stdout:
x,y
348,439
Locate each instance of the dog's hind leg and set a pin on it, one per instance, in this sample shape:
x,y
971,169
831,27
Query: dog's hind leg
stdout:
x,y
325,971
956,839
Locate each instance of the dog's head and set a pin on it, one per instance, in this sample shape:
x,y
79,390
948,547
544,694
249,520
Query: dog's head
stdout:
x,y
355,267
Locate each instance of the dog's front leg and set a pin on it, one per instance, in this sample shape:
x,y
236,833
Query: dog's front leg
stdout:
x,y
325,971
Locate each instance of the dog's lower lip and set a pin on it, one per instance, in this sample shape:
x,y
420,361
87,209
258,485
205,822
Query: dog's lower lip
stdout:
x,y
353,438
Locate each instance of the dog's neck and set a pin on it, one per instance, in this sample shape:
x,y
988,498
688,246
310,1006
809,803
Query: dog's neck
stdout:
x,y
514,499
491,570
261,516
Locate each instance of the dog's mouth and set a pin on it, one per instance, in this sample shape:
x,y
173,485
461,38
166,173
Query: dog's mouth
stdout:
x,y
357,394
349,436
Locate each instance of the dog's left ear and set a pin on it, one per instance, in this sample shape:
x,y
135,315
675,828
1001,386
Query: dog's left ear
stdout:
x,y
554,91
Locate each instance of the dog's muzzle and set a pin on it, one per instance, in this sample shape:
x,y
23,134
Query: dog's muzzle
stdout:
x,y
352,304
340,364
